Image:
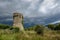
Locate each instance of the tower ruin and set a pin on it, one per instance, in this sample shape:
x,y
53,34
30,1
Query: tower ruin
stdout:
x,y
17,20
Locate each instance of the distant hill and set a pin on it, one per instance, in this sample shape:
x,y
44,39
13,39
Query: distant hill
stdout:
x,y
33,21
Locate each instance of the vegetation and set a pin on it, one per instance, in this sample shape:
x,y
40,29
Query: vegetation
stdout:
x,y
51,26
37,32
16,29
39,29
3,26
57,27
54,27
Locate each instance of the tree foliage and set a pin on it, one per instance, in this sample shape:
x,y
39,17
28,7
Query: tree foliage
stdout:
x,y
57,27
51,26
3,26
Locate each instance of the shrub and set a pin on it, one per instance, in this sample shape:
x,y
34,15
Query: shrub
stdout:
x,y
11,28
51,26
31,28
3,26
39,29
16,29
57,27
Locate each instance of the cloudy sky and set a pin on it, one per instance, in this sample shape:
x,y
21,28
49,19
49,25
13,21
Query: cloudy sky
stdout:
x,y
36,11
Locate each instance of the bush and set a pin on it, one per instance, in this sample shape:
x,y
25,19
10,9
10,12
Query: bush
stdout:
x,y
3,26
11,28
39,29
51,26
16,29
57,27
31,28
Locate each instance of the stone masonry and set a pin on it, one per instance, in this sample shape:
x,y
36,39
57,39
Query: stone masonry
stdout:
x,y
17,21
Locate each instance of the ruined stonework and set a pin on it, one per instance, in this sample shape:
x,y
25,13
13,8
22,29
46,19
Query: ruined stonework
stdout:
x,y
17,20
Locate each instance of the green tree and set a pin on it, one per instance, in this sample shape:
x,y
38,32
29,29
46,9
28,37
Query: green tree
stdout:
x,y
51,26
57,27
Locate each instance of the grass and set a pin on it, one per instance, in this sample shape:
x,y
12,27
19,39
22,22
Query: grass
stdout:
x,y
48,35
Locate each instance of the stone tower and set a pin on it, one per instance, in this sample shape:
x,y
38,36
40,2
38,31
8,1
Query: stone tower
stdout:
x,y
17,21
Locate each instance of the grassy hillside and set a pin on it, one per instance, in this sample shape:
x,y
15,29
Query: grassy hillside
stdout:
x,y
48,34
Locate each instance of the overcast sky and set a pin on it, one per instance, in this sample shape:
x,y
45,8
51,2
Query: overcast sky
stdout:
x,y
45,9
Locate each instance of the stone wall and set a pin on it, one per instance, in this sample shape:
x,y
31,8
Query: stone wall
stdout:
x,y
17,20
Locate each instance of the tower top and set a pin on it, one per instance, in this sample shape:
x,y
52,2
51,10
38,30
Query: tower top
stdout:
x,y
19,14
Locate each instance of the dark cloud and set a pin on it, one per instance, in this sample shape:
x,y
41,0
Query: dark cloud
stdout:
x,y
41,10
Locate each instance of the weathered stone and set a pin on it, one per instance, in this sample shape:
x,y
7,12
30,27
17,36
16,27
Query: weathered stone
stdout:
x,y
17,21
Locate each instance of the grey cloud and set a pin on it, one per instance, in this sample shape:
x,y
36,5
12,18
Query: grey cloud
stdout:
x,y
29,9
